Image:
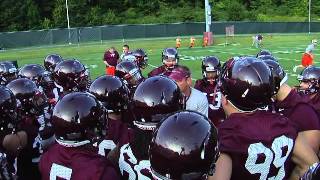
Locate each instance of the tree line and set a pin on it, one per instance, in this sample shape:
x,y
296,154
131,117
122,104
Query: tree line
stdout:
x,y
44,14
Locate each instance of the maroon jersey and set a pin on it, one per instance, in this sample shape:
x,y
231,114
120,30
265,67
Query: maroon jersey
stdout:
x,y
111,58
216,113
131,167
292,100
28,158
157,71
161,70
315,102
295,106
298,116
75,163
260,144
119,132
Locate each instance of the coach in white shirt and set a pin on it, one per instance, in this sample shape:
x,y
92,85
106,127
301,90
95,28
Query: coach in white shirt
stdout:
x,y
195,100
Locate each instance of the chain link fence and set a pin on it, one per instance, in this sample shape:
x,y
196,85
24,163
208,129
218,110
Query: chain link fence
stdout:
x,y
121,32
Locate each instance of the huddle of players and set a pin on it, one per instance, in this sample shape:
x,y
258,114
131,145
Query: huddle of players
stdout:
x,y
56,123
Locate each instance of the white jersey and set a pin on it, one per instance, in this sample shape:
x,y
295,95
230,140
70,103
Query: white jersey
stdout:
x,y
132,168
198,102
124,54
129,57
310,48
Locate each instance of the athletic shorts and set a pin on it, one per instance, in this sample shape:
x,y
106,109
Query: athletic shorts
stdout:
x,y
110,70
307,60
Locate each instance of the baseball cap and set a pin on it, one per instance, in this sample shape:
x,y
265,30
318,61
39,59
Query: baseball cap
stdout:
x,y
179,73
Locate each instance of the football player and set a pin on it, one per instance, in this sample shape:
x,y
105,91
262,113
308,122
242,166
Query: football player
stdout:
x,y
125,51
78,121
292,105
12,140
8,72
154,99
309,81
114,95
208,85
178,42
192,42
308,56
257,41
256,144
51,61
141,58
130,73
170,59
41,77
31,104
71,76
184,146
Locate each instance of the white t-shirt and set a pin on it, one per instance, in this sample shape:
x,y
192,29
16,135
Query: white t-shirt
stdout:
x,y
197,101
310,48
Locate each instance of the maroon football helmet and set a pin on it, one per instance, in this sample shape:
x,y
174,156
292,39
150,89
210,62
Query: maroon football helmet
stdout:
x,y
34,72
263,52
78,119
31,99
170,53
310,75
210,64
141,58
111,91
154,99
279,75
71,75
8,108
130,73
8,72
51,61
247,83
268,57
184,146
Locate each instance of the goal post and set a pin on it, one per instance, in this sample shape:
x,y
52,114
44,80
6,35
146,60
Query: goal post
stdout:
x,y
229,37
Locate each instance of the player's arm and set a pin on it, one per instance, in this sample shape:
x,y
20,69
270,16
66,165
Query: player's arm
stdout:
x,y
223,168
283,92
303,156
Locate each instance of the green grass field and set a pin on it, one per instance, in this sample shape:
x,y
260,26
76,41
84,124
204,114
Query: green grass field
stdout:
x,y
288,48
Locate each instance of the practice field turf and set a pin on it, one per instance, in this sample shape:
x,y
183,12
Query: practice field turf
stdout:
x,y
287,48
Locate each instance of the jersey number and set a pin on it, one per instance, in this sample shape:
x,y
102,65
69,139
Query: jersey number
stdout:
x,y
60,171
124,165
105,145
273,155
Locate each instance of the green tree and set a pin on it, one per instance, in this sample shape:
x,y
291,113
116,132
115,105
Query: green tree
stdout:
x,y
236,11
32,15
59,14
